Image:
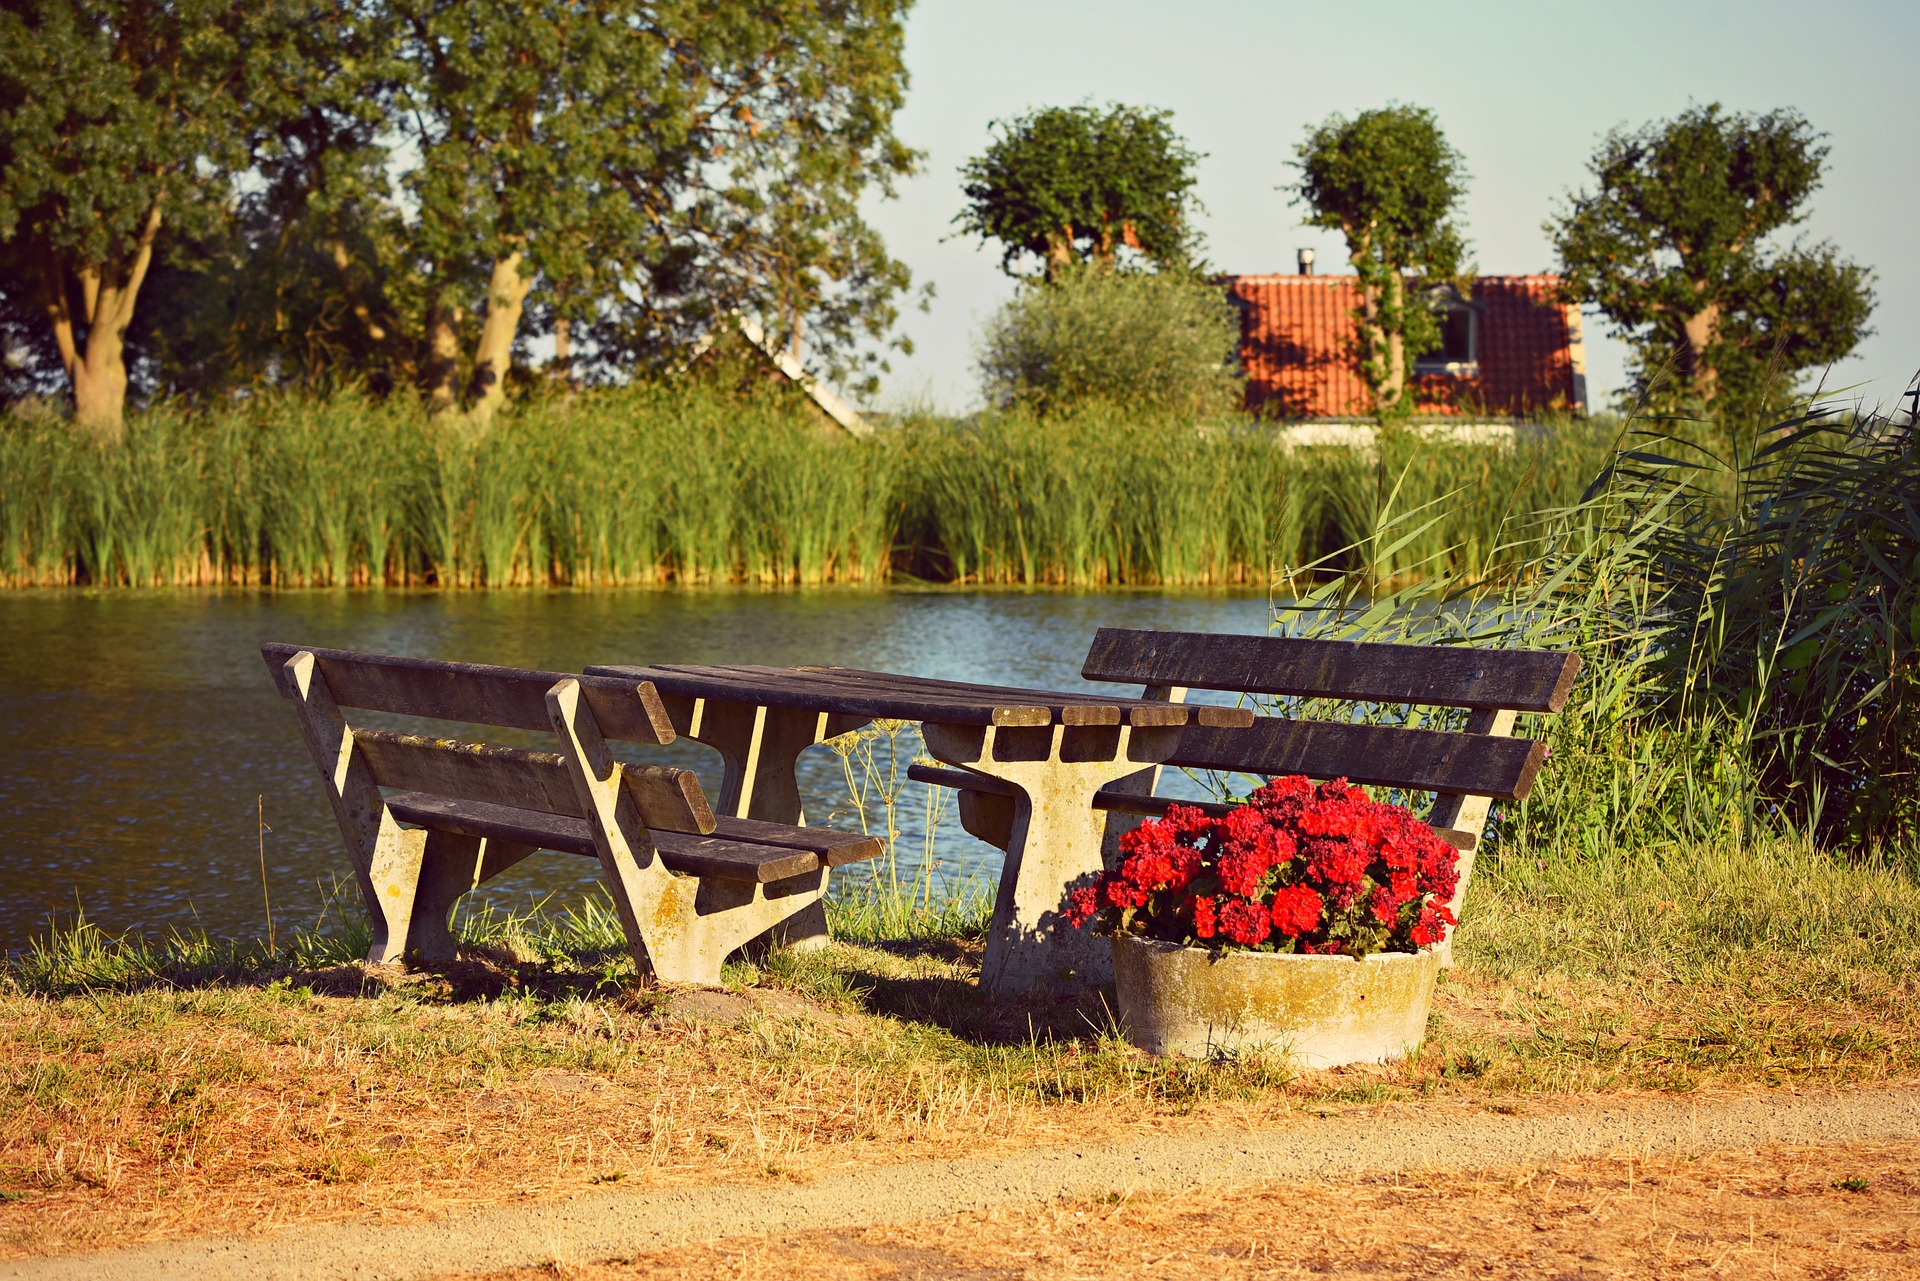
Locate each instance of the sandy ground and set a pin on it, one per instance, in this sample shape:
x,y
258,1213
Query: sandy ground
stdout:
x,y
1222,1182
1824,1211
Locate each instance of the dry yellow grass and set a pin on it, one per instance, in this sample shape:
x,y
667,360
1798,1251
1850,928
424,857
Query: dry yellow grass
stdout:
x,y
233,1107
1804,1212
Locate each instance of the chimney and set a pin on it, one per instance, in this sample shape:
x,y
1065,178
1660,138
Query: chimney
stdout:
x,y
1305,258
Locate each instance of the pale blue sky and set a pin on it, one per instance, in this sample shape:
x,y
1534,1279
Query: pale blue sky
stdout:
x,y
1524,90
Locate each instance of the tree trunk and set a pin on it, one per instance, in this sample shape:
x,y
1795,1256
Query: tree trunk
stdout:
x,y
506,294
1059,253
443,358
97,375
1394,386
1701,329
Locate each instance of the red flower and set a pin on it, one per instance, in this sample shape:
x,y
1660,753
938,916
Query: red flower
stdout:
x,y
1296,860
1431,928
1203,917
1296,910
1244,922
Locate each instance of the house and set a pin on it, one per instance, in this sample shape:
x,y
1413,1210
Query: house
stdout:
x,y
1510,349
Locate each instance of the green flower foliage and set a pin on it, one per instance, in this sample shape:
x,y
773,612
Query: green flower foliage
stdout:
x,y
1389,182
1674,245
1067,184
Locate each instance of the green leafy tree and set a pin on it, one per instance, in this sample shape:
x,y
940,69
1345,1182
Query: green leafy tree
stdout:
x,y
121,121
1389,182
1674,246
1149,340
1067,184
652,168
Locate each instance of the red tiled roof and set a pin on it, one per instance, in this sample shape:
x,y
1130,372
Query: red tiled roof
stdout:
x,y
1297,341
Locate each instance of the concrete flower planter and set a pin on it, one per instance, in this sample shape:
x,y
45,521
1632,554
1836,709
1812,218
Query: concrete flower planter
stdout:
x,y
1322,1010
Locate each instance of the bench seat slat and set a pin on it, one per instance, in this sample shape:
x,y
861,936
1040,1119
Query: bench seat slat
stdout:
x,y
834,848
1425,675
729,858
474,693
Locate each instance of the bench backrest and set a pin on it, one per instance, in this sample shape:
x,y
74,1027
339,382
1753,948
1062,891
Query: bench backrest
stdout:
x,y
1482,761
481,694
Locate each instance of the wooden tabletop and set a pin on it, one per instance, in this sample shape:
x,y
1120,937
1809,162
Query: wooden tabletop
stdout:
x,y
913,698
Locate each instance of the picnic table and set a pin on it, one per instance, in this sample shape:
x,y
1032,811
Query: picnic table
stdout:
x,y
1049,752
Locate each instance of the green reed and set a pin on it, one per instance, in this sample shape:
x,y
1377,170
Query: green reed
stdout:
x,y
686,484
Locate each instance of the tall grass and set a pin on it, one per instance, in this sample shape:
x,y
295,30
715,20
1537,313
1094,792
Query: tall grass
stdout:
x,y
682,484
1748,624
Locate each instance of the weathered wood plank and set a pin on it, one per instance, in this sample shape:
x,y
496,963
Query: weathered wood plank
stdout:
x,y
1119,801
729,858
888,694
670,800
494,822
835,849
1421,759
820,691
473,693
1431,675
470,771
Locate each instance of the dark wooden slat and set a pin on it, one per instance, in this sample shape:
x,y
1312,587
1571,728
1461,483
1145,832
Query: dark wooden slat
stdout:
x,y
958,779
888,694
731,860
810,691
1421,759
1431,675
495,822
670,800
684,852
470,771
474,693
835,849
1119,802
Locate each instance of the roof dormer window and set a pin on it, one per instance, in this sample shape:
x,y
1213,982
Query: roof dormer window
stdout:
x,y
1458,355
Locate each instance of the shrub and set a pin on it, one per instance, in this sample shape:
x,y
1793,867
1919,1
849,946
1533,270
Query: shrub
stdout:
x,y
1164,342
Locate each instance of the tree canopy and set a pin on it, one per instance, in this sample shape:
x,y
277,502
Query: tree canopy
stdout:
x,y
1066,184
1389,182
450,180
1676,246
120,119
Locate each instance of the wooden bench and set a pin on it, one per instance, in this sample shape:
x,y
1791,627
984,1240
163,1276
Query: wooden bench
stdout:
x,y
1467,769
427,819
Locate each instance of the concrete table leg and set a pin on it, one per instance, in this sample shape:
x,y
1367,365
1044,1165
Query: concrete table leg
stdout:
x,y
1055,838
759,748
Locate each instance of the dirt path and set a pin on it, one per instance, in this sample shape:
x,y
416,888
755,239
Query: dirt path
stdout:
x,y
1400,1138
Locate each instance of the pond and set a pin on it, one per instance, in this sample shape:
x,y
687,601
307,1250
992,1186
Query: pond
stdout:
x,y
141,739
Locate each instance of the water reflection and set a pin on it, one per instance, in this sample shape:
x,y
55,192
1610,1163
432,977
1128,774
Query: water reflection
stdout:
x,y
140,730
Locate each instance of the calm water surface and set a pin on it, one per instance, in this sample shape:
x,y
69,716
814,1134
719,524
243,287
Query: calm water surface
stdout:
x,y
138,731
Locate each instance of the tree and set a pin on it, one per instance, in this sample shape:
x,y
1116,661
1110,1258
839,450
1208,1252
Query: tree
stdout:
x,y
653,166
1160,340
119,120
1389,182
1070,183
1673,246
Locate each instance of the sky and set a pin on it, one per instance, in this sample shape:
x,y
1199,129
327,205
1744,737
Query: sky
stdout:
x,y
1525,90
